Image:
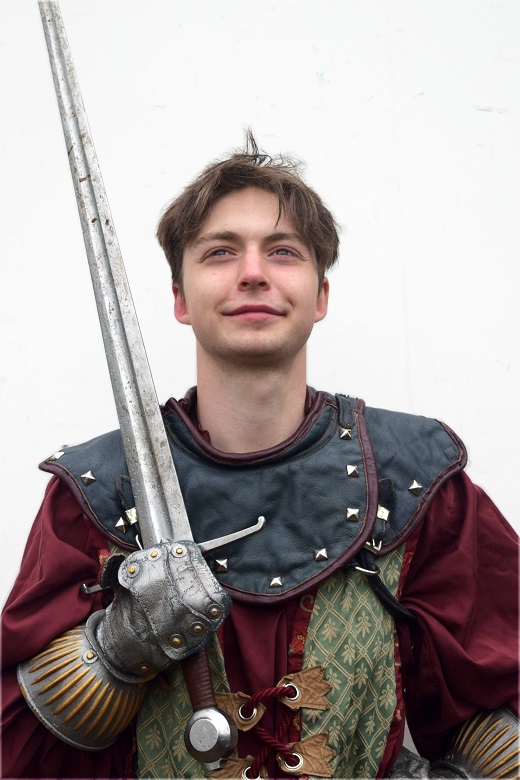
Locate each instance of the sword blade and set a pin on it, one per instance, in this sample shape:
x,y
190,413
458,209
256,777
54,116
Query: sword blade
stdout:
x,y
158,499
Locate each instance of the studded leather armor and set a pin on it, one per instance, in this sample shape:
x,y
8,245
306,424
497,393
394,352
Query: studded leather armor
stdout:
x,y
351,476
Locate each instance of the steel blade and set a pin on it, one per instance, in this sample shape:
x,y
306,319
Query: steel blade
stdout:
x,y
158,498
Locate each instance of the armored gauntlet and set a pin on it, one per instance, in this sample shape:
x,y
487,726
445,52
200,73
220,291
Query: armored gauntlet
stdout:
x,y
167,605
88,684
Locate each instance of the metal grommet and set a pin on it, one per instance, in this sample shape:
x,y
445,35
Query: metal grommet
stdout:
x,y
154,554
287,767
297,694
89,657
178,551
133,570
246,718
214,612
197,628
245,776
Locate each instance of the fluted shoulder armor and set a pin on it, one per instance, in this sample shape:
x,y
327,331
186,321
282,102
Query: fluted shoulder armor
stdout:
x,y
350,476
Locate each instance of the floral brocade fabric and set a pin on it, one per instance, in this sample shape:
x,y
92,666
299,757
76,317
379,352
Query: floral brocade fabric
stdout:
x,y
350,634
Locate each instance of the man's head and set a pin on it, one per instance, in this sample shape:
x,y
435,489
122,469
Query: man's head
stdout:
x,y
280,176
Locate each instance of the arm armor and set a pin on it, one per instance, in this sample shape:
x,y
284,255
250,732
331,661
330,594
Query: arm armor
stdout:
x,y
75,696
87,685
167,605
486,746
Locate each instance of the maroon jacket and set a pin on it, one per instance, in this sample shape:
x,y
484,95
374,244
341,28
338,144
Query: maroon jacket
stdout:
x,y
459,577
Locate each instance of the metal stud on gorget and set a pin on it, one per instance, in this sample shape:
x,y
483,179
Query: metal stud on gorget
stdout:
x,y
345,433
57,455
222,565
415,488
131,515
321,555
122,525
276,582
352,514
88,478
352,471
383,513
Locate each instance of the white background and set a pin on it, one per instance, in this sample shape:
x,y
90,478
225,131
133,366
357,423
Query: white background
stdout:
x,y
407,114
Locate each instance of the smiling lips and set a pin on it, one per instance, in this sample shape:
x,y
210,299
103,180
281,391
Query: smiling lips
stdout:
x,y
254,312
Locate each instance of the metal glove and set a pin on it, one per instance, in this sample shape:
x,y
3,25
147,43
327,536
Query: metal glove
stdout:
x,y
166,607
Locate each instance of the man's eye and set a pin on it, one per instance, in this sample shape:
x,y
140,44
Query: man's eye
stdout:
x,y
283,250
219,252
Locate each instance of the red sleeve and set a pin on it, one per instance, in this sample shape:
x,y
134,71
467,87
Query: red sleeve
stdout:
x,y
462,583
62,552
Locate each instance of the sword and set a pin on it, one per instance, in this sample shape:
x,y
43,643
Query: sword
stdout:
x,y
158,499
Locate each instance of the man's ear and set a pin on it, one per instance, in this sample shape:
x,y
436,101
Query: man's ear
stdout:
x,y
322,301
180,307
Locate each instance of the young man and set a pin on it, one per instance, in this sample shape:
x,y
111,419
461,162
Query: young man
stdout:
x,y
380,586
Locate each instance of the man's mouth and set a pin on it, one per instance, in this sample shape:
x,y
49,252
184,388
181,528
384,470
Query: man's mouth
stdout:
x,y
254,312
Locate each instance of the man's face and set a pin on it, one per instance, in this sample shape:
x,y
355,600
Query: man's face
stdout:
x,y
250,284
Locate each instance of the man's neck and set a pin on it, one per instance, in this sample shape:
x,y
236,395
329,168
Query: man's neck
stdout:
x,y
249,411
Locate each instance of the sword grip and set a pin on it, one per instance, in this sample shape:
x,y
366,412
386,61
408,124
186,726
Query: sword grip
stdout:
x,y
198,680
210,734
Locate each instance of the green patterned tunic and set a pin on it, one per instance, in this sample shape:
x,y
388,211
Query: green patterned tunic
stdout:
x,y
352,636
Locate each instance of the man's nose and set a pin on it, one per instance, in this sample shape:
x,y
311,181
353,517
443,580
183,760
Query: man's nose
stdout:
x,y
253,270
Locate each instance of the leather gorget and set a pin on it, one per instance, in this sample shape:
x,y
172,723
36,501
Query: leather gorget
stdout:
x,y
350,476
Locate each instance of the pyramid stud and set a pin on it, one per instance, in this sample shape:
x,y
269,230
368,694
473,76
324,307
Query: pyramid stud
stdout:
x,y
383,513
221,565
57,455
131,515
415,488
276,582
345,433
88,478
352,514
352,471
121,525
321,555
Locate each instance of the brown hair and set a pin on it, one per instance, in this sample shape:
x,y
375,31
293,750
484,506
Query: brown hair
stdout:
x,y
250,167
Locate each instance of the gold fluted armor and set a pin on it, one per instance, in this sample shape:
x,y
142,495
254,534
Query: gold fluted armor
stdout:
x,y
488,745
75,696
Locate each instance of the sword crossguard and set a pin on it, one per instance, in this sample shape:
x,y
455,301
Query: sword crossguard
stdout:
x,y
221,541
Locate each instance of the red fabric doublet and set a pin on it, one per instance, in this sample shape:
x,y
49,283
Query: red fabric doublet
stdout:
x,y
461,581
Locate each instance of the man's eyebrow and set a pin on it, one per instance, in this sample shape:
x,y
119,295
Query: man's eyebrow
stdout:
x,y
230,235
217,235
282,236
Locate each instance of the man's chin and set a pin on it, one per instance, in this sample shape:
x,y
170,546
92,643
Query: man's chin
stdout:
x,y
257,357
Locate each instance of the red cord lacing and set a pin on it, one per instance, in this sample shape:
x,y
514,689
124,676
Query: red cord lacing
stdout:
x,y
271,742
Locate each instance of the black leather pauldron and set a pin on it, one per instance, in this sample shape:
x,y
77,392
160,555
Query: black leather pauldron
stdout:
x,y
321,493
